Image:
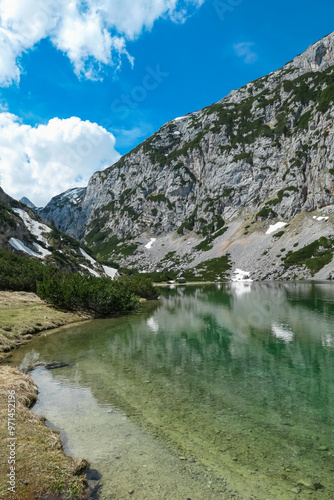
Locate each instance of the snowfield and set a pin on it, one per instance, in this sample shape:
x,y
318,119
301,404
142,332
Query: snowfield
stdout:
x,y
239,275
273,228
36,228
150,243
88,257
19,245
110,271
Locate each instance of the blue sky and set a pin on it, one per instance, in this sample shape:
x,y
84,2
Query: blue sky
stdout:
x,y
85,87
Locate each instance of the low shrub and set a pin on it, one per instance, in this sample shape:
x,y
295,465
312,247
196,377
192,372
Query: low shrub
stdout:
x,y
74,291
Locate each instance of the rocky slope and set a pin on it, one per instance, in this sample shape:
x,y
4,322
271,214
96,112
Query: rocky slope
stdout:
x,y
22,231
64,209
210,183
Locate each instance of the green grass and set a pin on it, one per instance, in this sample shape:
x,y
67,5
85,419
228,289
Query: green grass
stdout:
x,y
281,194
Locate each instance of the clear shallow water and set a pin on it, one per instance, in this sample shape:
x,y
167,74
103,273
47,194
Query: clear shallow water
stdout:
x,y
237,377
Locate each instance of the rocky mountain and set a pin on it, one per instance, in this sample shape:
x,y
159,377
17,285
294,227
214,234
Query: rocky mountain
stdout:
x,y
27,202
248,180
64,209
22,231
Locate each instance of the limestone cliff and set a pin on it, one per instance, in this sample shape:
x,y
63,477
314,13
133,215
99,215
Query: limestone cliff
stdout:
x,y
211,182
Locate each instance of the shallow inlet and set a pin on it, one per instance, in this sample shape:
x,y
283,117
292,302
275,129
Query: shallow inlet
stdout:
x,y
216,391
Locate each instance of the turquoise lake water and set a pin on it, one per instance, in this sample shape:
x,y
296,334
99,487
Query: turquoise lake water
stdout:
x,y
214,391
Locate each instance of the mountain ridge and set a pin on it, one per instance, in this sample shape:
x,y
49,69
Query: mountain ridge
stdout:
x,y
23,232
263,153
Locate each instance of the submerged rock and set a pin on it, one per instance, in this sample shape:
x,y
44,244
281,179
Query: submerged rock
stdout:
x,y
310,484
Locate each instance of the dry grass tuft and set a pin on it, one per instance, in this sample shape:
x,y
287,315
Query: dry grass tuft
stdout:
x,y
42,469
22,315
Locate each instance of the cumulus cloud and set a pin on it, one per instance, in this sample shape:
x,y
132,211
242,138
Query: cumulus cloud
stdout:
x,y
43,161
92,33
245,51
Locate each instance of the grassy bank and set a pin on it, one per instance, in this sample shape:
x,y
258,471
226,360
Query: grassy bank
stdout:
x,y
23,314
41,468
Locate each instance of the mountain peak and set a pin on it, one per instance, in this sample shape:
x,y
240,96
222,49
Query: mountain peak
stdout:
x,y
318,57
27,202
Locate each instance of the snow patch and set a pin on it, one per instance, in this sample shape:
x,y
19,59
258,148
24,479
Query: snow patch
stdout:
x,y
94,273
42,250
150,243
88,257
320,217
73,194
110,271
36,228
179,118
273,228
243,276
19,245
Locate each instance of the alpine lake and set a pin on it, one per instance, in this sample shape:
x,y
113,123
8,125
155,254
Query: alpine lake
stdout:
x,y
211,392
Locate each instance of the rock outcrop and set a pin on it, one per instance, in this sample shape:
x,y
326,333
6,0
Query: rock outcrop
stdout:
x,y
264,153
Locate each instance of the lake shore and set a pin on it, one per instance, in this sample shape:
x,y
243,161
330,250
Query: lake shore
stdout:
x,y
34,463
41,467
23,315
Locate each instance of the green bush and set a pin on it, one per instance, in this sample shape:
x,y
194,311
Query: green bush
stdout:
x,y
75,292
7,215
248,157
71,291
188,224
209,270
303,121
326,98
21,274
314,256
138,284
163,276
266,212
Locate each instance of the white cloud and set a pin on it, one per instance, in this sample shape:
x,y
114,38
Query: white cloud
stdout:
x,y
43,161
245,51
92,33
